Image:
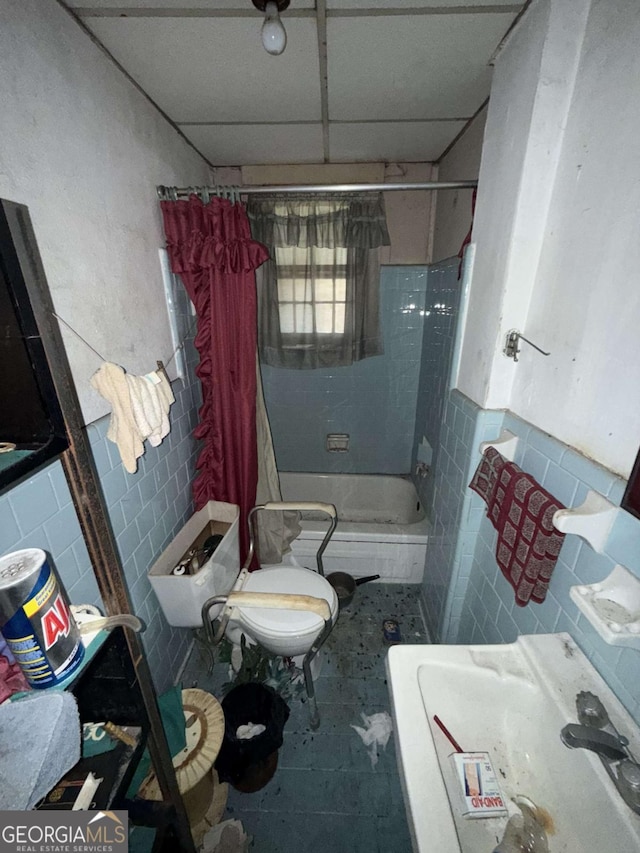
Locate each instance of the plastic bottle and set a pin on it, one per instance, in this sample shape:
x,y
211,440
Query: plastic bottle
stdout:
x,y
524,833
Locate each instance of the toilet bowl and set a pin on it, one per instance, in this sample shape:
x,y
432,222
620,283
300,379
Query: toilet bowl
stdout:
x,y
289,633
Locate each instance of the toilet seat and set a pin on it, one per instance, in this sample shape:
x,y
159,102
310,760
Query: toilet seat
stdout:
x,y
285,623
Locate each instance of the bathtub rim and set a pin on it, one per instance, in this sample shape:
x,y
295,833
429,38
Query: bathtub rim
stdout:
x,y
393,479
360,531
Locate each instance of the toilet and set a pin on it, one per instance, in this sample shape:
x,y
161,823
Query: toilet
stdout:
x,y
289,633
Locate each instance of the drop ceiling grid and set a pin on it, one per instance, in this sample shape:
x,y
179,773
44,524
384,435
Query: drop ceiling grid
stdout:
x,y
405,142
452,5
240,145
243,5
402,80
179,6
215,69
411,67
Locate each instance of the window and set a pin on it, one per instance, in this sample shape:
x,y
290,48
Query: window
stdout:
x,y
319,294
312,290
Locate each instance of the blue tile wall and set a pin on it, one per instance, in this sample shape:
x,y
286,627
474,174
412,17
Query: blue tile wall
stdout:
x,y
146,510
480,606
373,400
438,337
455,518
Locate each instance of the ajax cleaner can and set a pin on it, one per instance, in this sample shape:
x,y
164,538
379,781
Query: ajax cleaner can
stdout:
x,y
35,619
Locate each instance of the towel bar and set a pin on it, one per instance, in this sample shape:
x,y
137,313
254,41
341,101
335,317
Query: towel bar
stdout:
x,y
592,520
506,444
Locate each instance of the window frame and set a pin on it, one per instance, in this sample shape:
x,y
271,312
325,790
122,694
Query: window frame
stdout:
x,y
299,274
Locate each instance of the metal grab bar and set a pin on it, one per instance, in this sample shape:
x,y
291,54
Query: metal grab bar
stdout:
x,y
278,601
295,506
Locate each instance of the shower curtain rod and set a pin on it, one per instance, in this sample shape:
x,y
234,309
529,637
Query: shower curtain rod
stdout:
x,y
173,193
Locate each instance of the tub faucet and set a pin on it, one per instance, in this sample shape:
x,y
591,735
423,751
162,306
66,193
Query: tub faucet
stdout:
x,y
597,733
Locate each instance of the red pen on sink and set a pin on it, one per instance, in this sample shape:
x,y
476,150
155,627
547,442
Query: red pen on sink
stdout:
x,y
454,743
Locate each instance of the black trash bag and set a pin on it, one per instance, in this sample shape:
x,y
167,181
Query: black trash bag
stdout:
x,y
250,703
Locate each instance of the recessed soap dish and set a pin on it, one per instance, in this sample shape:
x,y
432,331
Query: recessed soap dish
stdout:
x,y
612,606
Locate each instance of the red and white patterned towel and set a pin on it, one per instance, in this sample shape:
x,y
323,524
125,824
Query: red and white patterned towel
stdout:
x,y
486,476
522,512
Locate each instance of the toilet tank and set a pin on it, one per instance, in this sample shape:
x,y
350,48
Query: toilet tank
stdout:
x,y
182,596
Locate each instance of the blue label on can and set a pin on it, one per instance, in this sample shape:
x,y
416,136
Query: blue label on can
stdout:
x,y
42,635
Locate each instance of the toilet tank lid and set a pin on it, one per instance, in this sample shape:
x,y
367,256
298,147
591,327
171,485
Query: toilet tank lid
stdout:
x,y
287,580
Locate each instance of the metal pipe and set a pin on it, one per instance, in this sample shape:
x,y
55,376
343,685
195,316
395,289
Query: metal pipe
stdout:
x,y
169,193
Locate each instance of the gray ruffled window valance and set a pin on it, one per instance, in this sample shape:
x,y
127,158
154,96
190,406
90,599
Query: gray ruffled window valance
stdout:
x,y
356,224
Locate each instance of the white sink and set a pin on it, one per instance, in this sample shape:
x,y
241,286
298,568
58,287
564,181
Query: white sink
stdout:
x,y
511,701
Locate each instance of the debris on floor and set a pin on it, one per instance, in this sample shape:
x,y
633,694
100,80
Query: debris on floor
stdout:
x,y
378,728
226,837
249,730
391,631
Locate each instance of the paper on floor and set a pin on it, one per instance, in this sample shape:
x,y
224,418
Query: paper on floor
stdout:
x,y
249,731
376,732
226,837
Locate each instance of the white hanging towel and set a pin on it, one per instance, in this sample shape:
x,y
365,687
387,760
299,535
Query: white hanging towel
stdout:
x,y
139,409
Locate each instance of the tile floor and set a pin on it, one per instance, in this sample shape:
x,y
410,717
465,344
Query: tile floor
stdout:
x,y
325,796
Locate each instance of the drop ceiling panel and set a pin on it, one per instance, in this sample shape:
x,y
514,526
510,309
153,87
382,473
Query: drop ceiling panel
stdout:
x,y
411,66
416,4
238,145
414,141
215,69
179,5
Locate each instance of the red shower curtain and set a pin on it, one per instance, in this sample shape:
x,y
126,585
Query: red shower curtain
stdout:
x,y
210,247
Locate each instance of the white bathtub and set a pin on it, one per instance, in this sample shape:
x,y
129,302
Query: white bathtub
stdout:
x,y
382,529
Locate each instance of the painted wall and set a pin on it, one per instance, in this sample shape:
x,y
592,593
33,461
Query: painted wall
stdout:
x,y
85,150
409,213
555,230
553,247
586,303
507,132
146,509
373,400
453,207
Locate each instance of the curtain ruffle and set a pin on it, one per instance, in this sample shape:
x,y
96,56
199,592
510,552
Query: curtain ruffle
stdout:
x,y
357,222
216,235
211,248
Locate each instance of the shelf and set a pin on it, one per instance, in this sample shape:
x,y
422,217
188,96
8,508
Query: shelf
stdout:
x,y
114,767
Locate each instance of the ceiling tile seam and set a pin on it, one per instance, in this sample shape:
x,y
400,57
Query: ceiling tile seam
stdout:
x,y
461,133
248,123
426,12
296,122
321,28
152,12
85,29
433,11
514,24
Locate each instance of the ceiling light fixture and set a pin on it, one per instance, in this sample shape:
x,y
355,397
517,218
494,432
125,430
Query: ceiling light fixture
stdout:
x,y
274,37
